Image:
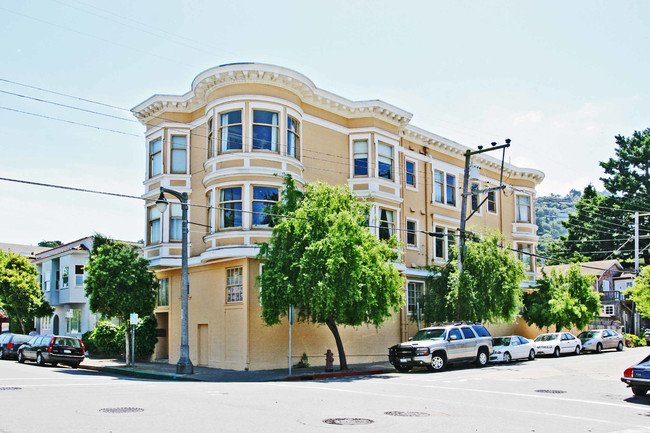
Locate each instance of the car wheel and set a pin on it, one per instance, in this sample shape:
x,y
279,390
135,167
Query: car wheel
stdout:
x,y
556,352
54,364
2,353
403,368
507,358
639,392
438,362
576,351
482,358
599,348
531,355
74,365
39,360
21,357
620,346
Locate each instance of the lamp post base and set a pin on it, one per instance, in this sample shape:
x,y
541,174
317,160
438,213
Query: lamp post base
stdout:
x,y
184,366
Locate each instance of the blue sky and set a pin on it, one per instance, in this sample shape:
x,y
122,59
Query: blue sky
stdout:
x,y
559,78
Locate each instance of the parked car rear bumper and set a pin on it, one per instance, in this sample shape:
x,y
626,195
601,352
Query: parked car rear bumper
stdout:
x,y
55,357
636,382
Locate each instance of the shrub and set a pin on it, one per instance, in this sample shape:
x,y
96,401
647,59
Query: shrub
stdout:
x,y
103,340
304,361
632,340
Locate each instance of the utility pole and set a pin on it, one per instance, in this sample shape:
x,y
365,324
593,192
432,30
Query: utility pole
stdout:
x,y
463,204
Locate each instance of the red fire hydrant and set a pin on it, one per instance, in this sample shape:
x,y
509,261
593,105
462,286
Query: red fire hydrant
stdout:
x,y
329,360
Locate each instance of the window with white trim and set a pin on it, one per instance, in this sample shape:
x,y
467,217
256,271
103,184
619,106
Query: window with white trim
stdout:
x,y
411,233
230,204
210,137
234,285
65,277
73,324
439,248
46,323
444,187
523,208
179,154
293,137
154,225
475,197
524,255
386,223
492,201
608,310
385,161
360,150
265,130
414,292
162,300
263,198
175,222
230,131
211,209
411,177
79,275
155,157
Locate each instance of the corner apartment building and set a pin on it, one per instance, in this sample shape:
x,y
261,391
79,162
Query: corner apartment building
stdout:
x,y
228,142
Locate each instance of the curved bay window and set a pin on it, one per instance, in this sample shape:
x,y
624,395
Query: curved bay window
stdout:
x,y
230,131
210,138
263,198
154,225
360,157
179,154
265,130
175,222
155,157
293,137
230,202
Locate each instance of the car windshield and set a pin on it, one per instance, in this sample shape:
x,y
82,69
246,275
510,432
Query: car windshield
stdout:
x,y
588,334
548,337
501,341
62,341
429,334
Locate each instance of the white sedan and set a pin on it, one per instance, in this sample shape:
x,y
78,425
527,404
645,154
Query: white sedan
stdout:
x,y
557,343
512,347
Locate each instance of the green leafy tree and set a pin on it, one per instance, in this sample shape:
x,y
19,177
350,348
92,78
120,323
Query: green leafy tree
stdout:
x,y
562,300
601,227
486,290
20,293
119,283
640,292
323,260
50,244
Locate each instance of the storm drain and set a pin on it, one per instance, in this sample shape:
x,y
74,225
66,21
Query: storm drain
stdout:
x,y
9,388
402,413
348,421
121,410
551,391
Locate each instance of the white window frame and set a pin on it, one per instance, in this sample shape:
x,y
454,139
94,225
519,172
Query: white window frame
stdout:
x,y
496,203
415,174
608,310
530,208
530,257
178,133
150,138
416,233
445,187
393,148
408,303
478,198
237,297
361,137
377,215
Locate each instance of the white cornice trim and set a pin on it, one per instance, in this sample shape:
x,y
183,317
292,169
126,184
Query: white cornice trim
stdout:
x,y
258,73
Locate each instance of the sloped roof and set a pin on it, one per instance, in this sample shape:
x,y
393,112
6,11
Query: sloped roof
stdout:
x,y
593,268
28,251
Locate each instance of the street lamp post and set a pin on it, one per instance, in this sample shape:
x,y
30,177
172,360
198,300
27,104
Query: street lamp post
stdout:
x,y
184,365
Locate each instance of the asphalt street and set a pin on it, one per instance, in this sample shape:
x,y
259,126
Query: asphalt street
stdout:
x,y
571,394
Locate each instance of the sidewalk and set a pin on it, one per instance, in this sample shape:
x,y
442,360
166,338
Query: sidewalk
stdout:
x,y
162,371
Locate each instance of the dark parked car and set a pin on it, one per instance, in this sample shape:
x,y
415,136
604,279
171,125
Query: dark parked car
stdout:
x,y
53,349
9,344
638,377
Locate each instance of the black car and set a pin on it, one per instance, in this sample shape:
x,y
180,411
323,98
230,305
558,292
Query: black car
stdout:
x,y
9,344
53,349
638,377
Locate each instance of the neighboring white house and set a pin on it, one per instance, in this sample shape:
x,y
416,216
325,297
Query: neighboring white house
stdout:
x,y
61,272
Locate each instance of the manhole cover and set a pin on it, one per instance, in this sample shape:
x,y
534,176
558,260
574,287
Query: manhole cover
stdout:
x,y
121,409
348,421
402,413
9,388
551,391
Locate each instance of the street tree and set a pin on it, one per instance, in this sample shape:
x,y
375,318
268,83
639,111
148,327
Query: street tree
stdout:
x,y
20,292
119,283
323,260
640,292
562,300
486,290
602,225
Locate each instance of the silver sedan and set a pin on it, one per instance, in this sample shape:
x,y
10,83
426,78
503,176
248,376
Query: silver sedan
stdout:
x,y
597,340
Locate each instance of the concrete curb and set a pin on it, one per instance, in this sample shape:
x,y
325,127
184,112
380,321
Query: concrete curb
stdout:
x,y
318,376
140,374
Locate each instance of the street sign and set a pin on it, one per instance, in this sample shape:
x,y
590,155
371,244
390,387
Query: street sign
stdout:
x,y
133,318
